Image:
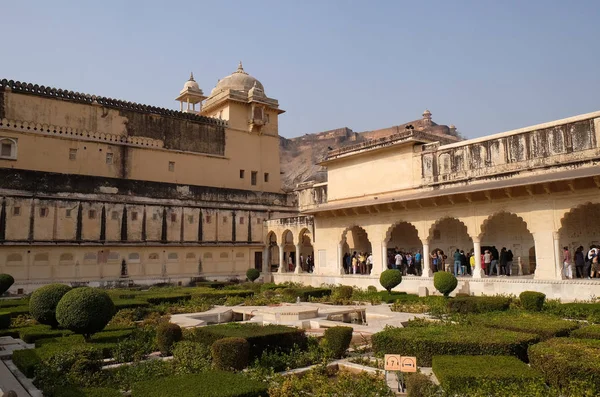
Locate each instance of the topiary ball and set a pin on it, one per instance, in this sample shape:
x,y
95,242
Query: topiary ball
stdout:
x,y
390,278
444,282
252,274
532,301
166,336
85,311
43,302
6,280
230,354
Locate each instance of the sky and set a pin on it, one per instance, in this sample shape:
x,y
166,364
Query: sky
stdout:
x,y
485,66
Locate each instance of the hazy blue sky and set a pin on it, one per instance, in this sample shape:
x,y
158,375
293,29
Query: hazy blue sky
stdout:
x,y
485,66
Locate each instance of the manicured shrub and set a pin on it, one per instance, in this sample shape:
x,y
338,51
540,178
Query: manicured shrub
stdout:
x,y
342,292
569,364
390,279
487,376
88,392
578,311
305,294
166,335
6,281
444,282
191,357
425,342
337,340
212,383
252,274
35,332
546,326
230,354
532,301
478,304
420,385
43,302
587,332
16,311
215,294
4,320
260,337
85,311
157,299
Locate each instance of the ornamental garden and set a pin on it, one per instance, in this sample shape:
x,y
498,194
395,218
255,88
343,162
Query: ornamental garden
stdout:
x,y
115,342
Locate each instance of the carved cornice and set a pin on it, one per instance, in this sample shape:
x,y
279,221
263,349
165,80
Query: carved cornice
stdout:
x,y
50,92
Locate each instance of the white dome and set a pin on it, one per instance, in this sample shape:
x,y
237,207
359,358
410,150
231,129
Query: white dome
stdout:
x,y
238,81
191,85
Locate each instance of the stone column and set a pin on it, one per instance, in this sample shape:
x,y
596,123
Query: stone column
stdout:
x,y
557,257
281,264
478,272
266,260
425,266
340,257
298,268
383,265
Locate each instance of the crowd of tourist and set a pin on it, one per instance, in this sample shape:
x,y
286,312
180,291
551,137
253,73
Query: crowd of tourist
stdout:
x,y
581,264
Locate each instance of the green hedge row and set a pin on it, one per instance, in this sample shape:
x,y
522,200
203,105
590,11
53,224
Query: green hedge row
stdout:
x,y
16,311
223,294
568,364
261,338
540,324
14,302
478,304
213,384
88,392
35,332
587,332
425,342
129,303
577,311
306,293
487,375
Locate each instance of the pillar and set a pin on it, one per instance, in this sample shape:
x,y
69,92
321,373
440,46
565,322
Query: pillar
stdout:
x,y
281,264
266,265
340,257
547,255
425,266
478,272
558,274
383,265
298,268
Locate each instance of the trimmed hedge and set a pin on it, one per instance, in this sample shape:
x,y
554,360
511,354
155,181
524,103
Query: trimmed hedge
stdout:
x,y
16,311
252,274
540,324
213,384
337,339
10,302
88,392
587,332
166,298
223,294
35,332
488,375
261,338
390,279
167,334
426,342
478,304
6,280
230,354
43,302
129,304
578,311
306,293
5,319
445,282
85,310
532,301
569,364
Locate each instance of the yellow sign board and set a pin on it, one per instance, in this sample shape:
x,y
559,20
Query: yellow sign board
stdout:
x,y
408,364
392,362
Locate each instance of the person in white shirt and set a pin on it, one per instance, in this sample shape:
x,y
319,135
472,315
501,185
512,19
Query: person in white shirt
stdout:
x,y
369,263
398,261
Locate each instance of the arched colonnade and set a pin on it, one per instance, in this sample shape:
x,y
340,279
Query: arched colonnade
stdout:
x,y
286,250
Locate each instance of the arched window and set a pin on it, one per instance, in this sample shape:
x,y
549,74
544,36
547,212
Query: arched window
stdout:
x,y
8,148
208,255
134,257
15,258
113,257
41,259
65,259
153,257
190,256
173,257
239,255
224,255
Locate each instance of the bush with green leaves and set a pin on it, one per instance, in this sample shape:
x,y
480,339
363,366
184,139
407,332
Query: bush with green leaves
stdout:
x,y
577,311
587,332
167,334
43,302
230,354
135,348
445,282
191,357
532,301
296,358
426,342
478,304
546,326
420,385
5,319
487,375
337,340
342,293
569,364
252,274
390,279
6,281
85,311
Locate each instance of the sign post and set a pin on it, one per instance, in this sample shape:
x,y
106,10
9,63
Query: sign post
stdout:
x,y
400,365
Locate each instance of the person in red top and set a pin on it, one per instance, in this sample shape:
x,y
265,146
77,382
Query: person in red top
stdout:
x,y
567,269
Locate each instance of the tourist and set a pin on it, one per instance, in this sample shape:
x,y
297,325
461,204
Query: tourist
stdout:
x,y
409,264
398,261
567,270
442,265
301,262
472,262
434,261
509,262
418,263
309,263
494,263
487,260
354,263
457,269
594,263
362,262
290,263
579,262
503,262
346,262
588,262
464,264
369,262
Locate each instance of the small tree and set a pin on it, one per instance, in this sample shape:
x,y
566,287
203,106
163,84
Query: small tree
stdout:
x,y
43,302
390,278
85,311
252,274
6,280
444,282
166,336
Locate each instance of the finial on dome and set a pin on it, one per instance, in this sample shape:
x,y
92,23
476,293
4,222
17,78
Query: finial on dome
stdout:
x,y
191,76
240,67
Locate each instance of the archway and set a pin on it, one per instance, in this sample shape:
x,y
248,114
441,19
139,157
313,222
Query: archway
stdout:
x,y
306,255
579,228
505,229
273,252
355,240
447,235
403,237
289,251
